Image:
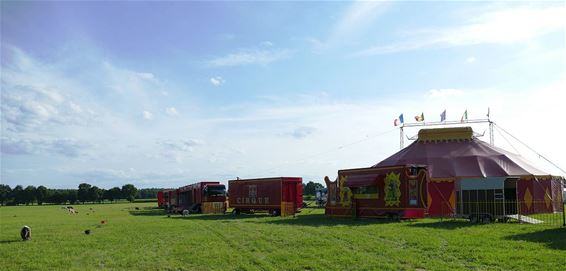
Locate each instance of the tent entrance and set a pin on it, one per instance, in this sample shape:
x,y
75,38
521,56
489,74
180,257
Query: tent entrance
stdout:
x,y
490,198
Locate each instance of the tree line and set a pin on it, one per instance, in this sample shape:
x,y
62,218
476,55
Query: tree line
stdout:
x,y
85,193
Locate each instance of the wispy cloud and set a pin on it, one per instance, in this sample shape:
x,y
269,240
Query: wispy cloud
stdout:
x,y
352,24
250,57
217,81
23,146
171,111
147,115
494,27
357,19
33,96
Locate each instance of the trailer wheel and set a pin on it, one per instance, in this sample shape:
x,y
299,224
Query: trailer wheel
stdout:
x,y
236,211
473,219
185,212
276,212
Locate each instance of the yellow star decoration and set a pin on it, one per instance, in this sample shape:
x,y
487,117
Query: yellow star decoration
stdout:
x,y
345,192
392,190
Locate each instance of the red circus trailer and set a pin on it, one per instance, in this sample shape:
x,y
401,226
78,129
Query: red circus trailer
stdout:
x,y
202,197
397,192
163,198
278,195
160,199
170,199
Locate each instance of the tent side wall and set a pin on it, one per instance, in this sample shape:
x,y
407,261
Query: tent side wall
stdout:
x,y
540,195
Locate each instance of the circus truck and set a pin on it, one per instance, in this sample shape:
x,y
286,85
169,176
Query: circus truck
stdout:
x,y
201,197
395,192
277,195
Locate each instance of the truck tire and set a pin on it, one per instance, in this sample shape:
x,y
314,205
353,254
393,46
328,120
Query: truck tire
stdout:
x,y
276,212
236,212
185,212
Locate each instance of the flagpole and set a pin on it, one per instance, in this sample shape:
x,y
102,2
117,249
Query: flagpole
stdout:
x,y
401,138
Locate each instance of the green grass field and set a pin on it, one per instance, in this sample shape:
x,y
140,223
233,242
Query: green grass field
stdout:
x,y
146,239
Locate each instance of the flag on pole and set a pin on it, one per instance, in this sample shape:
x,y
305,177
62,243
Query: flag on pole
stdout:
x,y
399,120
464,117
488,112
443,115
420,118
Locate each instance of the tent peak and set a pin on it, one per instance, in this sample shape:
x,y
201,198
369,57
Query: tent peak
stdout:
x,y
446,134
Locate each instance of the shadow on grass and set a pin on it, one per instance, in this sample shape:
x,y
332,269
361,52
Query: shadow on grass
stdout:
x,y
313,220
552,238
148,211
316,220
220,217
444,224
10,241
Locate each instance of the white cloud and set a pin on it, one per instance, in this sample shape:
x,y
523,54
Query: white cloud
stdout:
x,y
147,115
250,57
494,27
217,81
470,59
171,111
35,98
24,146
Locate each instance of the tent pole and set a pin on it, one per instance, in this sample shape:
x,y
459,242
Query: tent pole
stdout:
x,y
491,133
401,140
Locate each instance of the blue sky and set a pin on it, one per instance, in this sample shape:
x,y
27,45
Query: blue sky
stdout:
x,y
165,94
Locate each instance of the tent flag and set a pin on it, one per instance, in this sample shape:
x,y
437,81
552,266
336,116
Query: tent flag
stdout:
x,y
399,120
443,115
465,116
487,113
420,118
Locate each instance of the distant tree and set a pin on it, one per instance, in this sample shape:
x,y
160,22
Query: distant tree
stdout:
x,y
71,196
29,194
310,188
148,193
18,195
94,194
41,194
83,192
56,197
113,194
129,192
5,193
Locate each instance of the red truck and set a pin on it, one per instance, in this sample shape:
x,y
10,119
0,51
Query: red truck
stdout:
x,y
202,197
277,195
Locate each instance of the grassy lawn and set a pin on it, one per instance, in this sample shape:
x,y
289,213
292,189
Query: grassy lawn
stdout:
x,y
146,239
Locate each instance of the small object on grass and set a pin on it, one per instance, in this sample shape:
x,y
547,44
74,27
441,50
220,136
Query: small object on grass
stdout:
x,y
102,221
25,233
137,208
168,215
87,232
